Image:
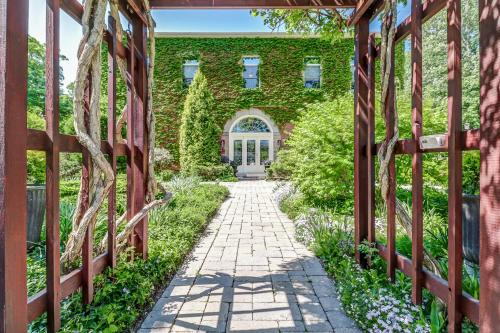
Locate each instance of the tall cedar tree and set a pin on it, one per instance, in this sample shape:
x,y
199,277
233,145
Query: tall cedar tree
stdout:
x,y
199,132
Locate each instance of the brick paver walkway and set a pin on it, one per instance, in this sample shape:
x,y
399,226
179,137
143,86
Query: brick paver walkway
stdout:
x,y
248,274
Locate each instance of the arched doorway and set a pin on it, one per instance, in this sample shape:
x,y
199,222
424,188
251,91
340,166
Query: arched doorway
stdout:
x,y
252,141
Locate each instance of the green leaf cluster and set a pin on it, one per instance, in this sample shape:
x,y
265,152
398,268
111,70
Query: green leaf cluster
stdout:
x,y
319,154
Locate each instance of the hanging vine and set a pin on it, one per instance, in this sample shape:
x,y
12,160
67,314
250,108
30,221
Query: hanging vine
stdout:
x,y
386,151
88,133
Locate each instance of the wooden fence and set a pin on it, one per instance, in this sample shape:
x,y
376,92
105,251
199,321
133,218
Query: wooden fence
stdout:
x,y
486,139
17,139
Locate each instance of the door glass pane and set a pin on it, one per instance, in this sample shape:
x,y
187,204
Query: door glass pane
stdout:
x,y
264,151
251,152
238,152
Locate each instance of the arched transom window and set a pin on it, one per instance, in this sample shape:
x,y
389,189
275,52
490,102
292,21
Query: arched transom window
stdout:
x,y
251,125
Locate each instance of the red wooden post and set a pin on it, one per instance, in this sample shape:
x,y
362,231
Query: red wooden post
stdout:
x,y
52,167
417,168
489,41
112,140
370,148
140,130
361,170
13,143
454,167
87,249
391,200
131,107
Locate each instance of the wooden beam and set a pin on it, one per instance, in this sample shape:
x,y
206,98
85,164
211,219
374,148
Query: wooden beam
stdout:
x,y
71,282
454,21
13,92
417,166
112,82
489,49
52,167
436,285
429,8
362,7
361,126
372,69
251,4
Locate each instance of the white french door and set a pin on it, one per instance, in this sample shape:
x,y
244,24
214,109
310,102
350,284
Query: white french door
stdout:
x,y
250,151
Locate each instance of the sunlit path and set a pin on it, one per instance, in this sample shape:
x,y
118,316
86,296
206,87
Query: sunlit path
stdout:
x,y
248,274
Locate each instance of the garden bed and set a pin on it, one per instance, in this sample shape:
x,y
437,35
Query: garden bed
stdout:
x,y
123,294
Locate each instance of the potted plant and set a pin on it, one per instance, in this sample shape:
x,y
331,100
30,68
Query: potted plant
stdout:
x,y
470,208
35,196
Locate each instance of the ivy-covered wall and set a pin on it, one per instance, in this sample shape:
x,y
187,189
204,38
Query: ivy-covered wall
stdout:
x,y
281,93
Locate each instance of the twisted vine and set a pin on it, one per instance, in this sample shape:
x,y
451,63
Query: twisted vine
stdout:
x,y
101,175
386,150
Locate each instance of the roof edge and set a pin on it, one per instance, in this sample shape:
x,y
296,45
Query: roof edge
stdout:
x,y
231,35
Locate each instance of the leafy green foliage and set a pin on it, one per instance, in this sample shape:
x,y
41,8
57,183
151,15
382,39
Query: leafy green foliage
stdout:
x,y
222,172
327,23
281,94
122,294
199,144
367,296
319,154
435,74
36,105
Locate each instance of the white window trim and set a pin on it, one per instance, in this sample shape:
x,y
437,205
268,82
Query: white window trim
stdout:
x,y
320,75
186,64
252,65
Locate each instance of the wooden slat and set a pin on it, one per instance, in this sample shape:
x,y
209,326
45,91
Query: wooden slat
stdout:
x,y
391,196
361,135
140,140
71,282
112,140
13,96
417,167
38,140
362,7
436,285
454,166
429,8
251,4
469,140
371,138
52,167
489,46
132,9
131,109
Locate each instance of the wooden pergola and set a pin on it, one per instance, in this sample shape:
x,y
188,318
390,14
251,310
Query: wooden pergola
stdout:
x,y
16,310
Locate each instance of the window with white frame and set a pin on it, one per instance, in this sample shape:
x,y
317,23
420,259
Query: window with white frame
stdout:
x,y
251,72
312,72
189,69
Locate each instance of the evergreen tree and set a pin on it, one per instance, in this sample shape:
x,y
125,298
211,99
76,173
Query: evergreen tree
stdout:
x,y
199,132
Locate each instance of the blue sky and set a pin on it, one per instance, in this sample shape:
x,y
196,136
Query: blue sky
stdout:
x,y
166,20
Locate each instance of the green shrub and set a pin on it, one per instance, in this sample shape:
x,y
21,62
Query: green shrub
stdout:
x,y
199,133
36,167
223,172
471,172
319,154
